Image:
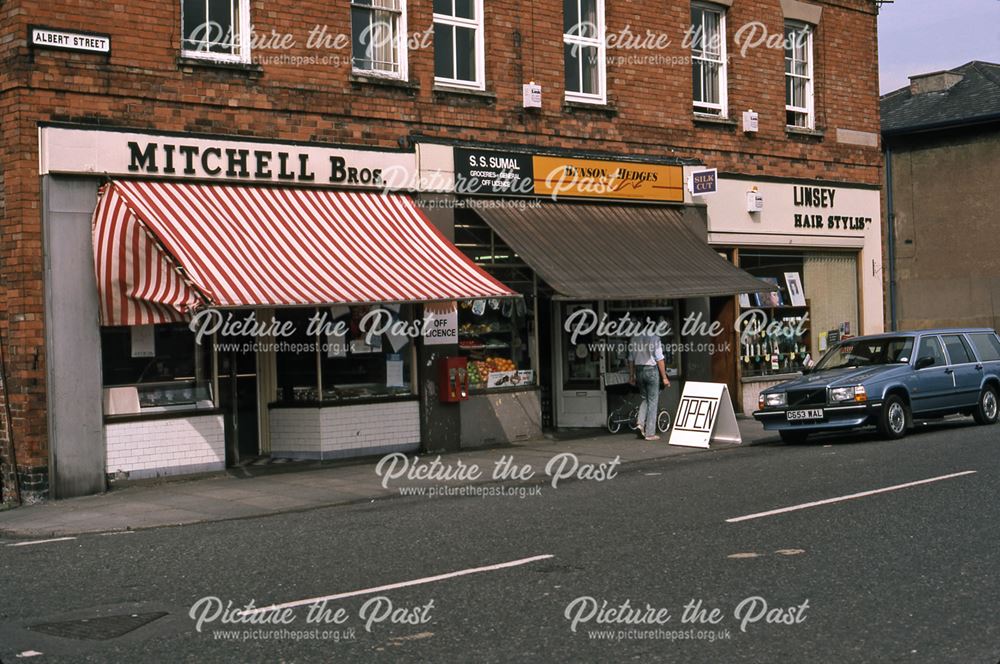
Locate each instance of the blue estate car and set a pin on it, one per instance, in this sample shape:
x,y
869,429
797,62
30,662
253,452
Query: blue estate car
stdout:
x,y
886,381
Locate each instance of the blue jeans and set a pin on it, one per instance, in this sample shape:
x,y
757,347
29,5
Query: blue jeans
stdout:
x,y
647,378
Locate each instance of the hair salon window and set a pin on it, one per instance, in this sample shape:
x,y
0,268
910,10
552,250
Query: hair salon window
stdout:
x,y
216,30
708,59
815,302
458,43
155,368
378,37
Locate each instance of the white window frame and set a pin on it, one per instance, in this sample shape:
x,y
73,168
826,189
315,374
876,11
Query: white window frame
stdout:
x,y
720,110
809,110
602,66
476,25
401,46
242,39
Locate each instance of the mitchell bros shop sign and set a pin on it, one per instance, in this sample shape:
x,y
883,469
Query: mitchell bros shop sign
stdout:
x,y
126,153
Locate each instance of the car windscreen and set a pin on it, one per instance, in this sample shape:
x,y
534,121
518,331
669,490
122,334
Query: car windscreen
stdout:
x,y
866,353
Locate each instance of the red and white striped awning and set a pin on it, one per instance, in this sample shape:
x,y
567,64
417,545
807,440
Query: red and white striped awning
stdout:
x,y
163,249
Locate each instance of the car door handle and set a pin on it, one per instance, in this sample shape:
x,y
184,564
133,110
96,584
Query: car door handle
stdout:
x,y
949,371
979,367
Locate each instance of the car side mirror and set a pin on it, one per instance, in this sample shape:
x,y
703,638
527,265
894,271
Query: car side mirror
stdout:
x,y
806,370
924,362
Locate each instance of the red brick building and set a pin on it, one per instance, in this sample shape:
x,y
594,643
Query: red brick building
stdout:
x,y
82,79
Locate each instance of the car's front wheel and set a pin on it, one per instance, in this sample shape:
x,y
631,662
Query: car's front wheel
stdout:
x,y
892,423
986,411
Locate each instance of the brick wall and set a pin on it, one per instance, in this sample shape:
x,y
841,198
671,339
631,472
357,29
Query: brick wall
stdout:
x,y
159,448
144,85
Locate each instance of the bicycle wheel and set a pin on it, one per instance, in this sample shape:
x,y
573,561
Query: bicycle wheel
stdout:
x,y
663,421
614,424
633,419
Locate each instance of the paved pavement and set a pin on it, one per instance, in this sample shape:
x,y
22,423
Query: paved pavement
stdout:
x,y
301,486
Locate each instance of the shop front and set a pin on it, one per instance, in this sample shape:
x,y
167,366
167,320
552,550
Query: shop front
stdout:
x,y
594,244
819,245
213,301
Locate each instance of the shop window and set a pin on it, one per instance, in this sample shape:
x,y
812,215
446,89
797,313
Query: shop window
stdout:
x,y
498,336
799,76
458,43
494,335
815,301
584,50
216,29
378,37
155,368
337,362
659,315
708,59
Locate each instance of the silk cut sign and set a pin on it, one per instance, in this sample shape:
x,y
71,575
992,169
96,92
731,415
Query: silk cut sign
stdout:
x,y
705,415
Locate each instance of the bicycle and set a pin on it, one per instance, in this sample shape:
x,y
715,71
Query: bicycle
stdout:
x,y
617,417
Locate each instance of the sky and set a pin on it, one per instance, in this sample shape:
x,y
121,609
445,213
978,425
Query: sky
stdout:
x,y
923,36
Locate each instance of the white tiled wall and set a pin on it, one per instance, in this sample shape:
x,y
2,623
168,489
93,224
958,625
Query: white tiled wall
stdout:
x,y
341,431
166,447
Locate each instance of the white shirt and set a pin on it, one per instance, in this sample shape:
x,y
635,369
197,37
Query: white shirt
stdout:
x,y
645,350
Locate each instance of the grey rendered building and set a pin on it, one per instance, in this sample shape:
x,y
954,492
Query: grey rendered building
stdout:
x,y
941,137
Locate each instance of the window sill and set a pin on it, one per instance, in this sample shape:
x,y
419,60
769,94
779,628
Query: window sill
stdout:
x,y
337,403
189,64
181,414
358,80
804,132
606,108
717,120
446,91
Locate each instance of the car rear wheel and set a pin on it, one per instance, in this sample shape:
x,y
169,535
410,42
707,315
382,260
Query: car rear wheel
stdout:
x,y
793,437
893,421
986,412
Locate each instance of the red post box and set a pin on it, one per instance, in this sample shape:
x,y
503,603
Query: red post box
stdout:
x,y
453,379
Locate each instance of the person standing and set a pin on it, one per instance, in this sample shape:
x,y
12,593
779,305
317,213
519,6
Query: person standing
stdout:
x,y
645,361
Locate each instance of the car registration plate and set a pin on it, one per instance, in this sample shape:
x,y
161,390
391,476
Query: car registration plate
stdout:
x,y
800,415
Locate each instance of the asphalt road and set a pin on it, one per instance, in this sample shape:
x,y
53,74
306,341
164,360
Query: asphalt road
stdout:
x,y
907,575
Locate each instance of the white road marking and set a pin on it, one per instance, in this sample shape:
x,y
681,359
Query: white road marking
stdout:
x,y
45,541
852,496
394,586
28,653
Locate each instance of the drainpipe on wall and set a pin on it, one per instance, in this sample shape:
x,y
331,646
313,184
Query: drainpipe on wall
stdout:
x,y
891,219
10,427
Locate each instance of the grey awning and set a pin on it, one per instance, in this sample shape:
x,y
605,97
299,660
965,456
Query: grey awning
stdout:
x,y
606,252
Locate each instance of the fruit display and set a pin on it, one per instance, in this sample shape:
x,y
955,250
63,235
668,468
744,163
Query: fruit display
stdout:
x,y
480,370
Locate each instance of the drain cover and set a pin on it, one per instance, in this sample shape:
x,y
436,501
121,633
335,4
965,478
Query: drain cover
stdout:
x,y
98,629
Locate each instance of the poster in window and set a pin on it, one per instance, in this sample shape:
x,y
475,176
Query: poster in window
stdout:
x,y
394,370
795,292
143,341
744,300
773,298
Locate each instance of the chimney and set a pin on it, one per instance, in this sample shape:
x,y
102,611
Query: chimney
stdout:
x,y
941,81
